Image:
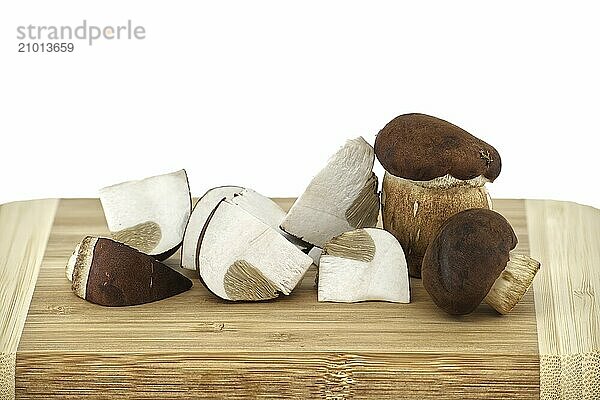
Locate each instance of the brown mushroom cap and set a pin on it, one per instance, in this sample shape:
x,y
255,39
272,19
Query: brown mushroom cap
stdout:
x,y
420,147
113,274
467,254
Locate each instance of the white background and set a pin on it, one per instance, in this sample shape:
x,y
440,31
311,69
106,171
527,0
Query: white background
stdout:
x,y
260,93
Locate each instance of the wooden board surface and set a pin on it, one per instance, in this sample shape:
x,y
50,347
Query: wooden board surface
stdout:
x,y
565,237
194,345
24,230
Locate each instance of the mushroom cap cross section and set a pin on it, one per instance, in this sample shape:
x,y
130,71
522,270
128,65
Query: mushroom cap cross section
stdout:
x,y
255,203
200,213
150,214
240,257
341,197
110,273
361,265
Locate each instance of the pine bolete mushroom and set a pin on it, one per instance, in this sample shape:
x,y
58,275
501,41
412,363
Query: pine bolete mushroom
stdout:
x,y
470,259
261,207
315,253
343,196
239,257
434,169
202,209
150,214
113,274
361,265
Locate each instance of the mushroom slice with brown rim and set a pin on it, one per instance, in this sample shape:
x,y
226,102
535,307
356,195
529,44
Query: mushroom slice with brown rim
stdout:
x,y
204,206
472,258
255,203
434,169
150,214
361,265
239,257
110,273
343,196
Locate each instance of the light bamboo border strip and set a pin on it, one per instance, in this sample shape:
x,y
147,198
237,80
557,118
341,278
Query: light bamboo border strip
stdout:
x,y
25,228
565,238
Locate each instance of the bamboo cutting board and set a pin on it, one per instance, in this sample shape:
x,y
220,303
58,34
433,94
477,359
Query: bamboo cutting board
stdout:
x,y
56,345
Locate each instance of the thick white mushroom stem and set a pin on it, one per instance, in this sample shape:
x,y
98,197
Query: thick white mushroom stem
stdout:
x,y
513,282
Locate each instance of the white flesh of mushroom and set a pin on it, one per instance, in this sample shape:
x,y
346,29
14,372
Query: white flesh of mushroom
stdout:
x,y
261,207
242,258
265,210
205,205
315,254
448,181
361,265
340,198
150,214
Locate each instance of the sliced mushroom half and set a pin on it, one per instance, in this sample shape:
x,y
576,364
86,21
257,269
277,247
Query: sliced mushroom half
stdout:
x,y
240,257
364,264
343,196
200,213
261,207
113,274
150,214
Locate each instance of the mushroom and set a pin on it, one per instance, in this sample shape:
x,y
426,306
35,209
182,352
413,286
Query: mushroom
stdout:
x,y
112,274
239,257
361,265
434,169
256,204
343,196
315,253
150,214
202,209
471,259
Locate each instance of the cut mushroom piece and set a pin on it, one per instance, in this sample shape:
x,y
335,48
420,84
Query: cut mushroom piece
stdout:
x,y
239,257
150,214
113,274
434,169
361,265
343,196
472,258
315,253
200,213
255,203
267,211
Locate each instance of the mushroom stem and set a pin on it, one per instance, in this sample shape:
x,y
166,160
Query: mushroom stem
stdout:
x,y
413,211
512,284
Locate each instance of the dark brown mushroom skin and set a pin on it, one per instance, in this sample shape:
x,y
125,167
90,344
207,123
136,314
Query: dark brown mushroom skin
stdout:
x,y
467,254
420,147
122,276
168,253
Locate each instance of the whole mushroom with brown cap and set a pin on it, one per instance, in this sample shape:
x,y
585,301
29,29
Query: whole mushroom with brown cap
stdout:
x,y
434,169
471,259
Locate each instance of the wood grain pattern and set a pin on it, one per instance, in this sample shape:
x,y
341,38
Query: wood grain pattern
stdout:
x,y
565,237
194,345
24,230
